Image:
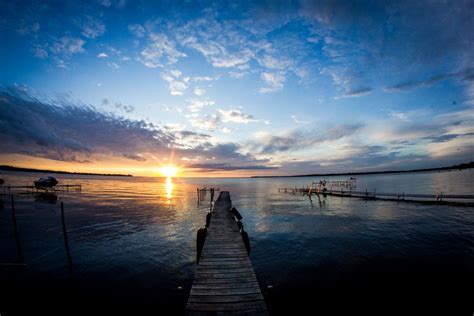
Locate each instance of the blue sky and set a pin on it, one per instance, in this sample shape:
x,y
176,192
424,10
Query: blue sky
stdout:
x,y
237,89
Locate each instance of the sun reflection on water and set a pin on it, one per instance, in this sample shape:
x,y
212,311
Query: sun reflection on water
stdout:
x,y
169,189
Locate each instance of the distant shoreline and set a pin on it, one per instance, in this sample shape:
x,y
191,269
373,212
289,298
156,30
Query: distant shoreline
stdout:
x,y
12,168
460,167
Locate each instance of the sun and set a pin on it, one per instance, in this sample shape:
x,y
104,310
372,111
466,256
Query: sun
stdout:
x,y
169,171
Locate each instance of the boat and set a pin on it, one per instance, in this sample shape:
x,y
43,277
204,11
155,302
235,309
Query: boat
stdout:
x,y
47,182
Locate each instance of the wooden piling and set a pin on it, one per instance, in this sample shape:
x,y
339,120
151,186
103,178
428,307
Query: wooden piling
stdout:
x,y
66,244
211,199
15,232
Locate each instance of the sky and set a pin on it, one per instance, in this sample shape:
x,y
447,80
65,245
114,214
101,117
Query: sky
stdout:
x,y
236,88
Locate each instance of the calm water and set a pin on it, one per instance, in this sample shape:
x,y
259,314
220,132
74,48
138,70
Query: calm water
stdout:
x,y
132,242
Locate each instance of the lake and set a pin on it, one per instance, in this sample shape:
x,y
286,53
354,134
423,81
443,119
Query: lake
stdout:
x,y
132,243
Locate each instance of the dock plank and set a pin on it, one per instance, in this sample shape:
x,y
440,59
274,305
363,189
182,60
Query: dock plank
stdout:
x,y
225,282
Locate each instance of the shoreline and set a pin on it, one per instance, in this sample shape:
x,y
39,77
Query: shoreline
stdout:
x,y
19,169
455,167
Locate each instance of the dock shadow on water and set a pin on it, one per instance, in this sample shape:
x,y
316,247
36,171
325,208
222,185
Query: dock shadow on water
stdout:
x,y
133,246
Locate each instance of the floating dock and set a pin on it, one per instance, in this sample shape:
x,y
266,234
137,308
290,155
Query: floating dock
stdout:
x,y
28,189
461,199
225,283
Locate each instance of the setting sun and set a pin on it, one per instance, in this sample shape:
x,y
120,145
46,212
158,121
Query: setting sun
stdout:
x,y
169,171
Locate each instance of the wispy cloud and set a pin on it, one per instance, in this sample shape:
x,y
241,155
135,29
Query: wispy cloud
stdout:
x,y
91,27
67,46
177,83
209,122
299,139
355,93
137,30
295,119
211,167
196,105
113,65
199,91
273,82
235,116
160,47
465,75
41,53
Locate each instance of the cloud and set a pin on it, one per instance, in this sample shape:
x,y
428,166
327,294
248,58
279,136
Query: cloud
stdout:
x,y
204,78
177,83
403,39
41,53
91,27
235,116
349,81
124,107
26,29
296,140
199,91
218,54
160,46
102,55
196,105
295,119
229,154
72,132
359,92
113,65
273,81
208,122
464,75
67,131
212,167
136,157
105,3
67,46
272,62
137,30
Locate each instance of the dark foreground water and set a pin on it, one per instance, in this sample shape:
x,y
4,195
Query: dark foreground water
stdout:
x,y
132,242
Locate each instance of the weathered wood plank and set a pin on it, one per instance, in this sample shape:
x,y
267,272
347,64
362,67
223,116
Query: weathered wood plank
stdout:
x,y
225,286
233,280
225,298
242,306
228,291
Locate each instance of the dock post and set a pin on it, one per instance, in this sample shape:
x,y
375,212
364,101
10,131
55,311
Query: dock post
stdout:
x,y
198,195
211,199
15,232
66,244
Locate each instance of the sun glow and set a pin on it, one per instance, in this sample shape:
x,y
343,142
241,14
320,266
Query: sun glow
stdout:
x,y
169,171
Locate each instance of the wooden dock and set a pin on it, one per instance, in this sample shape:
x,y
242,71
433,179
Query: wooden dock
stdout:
x,y
225,283
455,199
